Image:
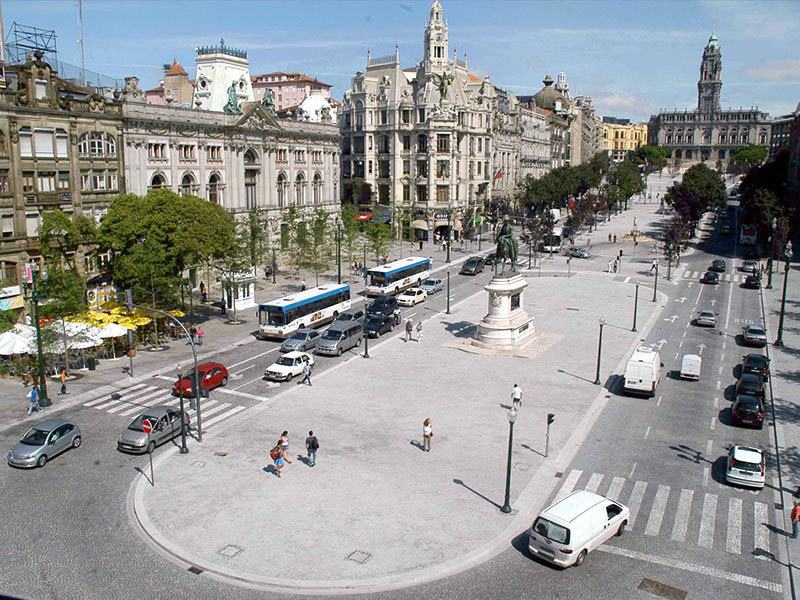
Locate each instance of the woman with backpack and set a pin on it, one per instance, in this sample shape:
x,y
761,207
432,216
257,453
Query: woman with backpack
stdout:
x,y
276,454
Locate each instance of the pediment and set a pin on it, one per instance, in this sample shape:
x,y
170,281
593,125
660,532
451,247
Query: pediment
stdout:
x,y
257,117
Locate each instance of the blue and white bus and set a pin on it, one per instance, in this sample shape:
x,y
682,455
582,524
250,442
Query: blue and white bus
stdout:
x,y
394,277
284,316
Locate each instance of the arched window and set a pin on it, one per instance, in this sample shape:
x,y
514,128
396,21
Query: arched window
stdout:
x,y
317,188
214,189
300,189
250,158
688,154
282,185
97,143
187,184
678,154
158,182
111,146
722,154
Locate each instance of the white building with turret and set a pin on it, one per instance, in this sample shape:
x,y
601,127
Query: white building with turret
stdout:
x,y
222,82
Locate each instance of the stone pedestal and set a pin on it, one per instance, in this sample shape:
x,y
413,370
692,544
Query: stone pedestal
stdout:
x,y
507,327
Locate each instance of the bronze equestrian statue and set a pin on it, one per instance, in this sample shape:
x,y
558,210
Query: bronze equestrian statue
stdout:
x,y
507,246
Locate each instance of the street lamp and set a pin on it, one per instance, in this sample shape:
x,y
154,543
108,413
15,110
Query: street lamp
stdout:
x,y
599,351
449,233
512,416
655,284
772,252
366,340
448,291
787,254
338,236
178,371
635,306
274,269
32,294
365,266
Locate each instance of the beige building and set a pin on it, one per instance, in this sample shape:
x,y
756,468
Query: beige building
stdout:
x,y
620,136
288,89
174,88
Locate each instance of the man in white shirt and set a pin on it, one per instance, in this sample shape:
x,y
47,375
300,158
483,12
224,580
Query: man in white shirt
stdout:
x,y
516,396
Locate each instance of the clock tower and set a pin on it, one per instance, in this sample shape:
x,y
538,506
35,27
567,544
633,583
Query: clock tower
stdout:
x,y
710,83
436,38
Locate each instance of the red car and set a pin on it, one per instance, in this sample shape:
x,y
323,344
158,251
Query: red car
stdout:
x,y
211,375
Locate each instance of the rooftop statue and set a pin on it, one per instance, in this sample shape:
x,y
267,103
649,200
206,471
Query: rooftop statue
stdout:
x,y
232,106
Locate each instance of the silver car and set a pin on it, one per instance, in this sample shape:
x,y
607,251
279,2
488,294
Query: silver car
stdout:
x,y
302,340
576,252
43,442
431,286
166,423
706,318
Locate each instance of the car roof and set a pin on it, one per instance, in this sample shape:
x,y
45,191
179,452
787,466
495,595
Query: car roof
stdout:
x,y
295,354
50,424
306,331
750,376
707,311
568,509
747,454
755,327
747,399
756,358
209,365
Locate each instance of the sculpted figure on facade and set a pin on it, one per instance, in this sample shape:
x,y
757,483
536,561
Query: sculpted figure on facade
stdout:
x,y
268,101
232,105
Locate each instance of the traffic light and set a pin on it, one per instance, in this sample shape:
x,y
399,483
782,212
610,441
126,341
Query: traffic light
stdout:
x,y
550,418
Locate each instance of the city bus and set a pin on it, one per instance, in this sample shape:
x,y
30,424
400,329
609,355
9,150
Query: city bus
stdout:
x,y
552,243
394,277
748,235
283,316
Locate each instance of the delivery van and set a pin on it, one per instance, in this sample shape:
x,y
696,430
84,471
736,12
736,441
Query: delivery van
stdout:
x,y
643,372
690,367
566,531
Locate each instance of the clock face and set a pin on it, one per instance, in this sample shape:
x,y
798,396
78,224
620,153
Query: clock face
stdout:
x,y
440,38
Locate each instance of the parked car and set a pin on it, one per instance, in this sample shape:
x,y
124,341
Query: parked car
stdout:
x,y
752,282
706,318
412,296
750,384
384,306
335,341
355,315
750,266
754,335
576,252
746,467
710,277
44,441
431,286
758,364
287,366
472,266
166,424
490,259
747,410
718,266
211,375
377,326
302,340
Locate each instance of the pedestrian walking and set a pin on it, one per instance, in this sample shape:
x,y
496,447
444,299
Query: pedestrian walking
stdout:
x,y
203,297
33,395
306,373
409,330
193,334
285,446
276,454
654,265
516,397
419,331
609,266
222,307
616,265
427,434
609,238
63,389
795,517
303,285
312,445
615,238
420,245
200,336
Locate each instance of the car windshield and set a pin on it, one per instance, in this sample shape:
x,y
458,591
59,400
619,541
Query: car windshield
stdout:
x,y
747,466
190,375
471,261
298,336
137,424
756,330
375,322
284,361
332,335
34,437
551,531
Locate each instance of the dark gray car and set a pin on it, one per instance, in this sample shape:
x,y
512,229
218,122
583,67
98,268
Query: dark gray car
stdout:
x,y
44,441
354,316
302,340
166,423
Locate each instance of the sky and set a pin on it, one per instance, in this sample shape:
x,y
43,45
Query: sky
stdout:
x,y
633,58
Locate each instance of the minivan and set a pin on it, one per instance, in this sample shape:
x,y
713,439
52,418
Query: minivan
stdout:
x,y
566,531
383,306
339,339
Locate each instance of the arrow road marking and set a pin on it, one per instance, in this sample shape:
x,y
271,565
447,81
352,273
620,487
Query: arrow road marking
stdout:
x,y
671,319
702,347
660,344
681,300
713,301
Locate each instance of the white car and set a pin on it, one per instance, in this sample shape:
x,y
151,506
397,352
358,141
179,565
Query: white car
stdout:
x,y
746,467
287,366
412,296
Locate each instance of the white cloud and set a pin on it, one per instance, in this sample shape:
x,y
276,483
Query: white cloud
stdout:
x,y
761,21
624,105
776,71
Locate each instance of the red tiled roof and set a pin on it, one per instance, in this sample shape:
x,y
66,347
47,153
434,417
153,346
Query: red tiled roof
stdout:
x,y
287,77
473,78
175,69
155,90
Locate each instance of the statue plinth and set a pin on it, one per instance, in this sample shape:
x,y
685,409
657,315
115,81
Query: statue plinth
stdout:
x,y
507,327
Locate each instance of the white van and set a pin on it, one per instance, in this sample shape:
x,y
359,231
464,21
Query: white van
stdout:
x,y
643,371
565,532
691,366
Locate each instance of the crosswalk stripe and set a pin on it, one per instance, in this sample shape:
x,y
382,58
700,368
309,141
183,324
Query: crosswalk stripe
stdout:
x,y
209,404
635,501
218,408
107,404
706,537
682,515
594,482
224,415
133,399
733,543
762,533
616,487
727,276
154,397
568,485
657,512
118,394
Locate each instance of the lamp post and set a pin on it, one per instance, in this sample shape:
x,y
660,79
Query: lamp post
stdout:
x,y
635,306
787,254
366,340
772,252
599,351
32,285
449,233
512,416
338,236
365,266
184,449
655,284
274,268
448,291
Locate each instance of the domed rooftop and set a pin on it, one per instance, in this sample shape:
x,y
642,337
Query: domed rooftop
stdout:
x,y
547,96
713,44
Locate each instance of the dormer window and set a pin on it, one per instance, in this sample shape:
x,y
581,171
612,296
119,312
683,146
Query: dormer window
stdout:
x,y
41,88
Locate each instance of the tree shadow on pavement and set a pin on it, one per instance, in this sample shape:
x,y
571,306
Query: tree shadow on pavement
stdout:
x,y
477,493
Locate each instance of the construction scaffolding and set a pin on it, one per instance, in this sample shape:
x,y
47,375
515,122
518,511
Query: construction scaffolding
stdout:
x,y
22,41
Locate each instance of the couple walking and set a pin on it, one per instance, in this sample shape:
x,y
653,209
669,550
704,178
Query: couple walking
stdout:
x,y
410,331
280,453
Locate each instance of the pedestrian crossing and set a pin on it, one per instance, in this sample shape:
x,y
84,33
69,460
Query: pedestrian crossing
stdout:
x,y
136,398
731,277
684,515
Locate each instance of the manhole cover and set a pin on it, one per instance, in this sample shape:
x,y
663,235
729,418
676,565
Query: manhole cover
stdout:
x,y
661,589
359,556
230,551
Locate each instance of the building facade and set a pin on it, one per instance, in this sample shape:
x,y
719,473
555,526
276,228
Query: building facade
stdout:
x,y
794,159
708,134
222,82
781,132
620,137
174,88
288,89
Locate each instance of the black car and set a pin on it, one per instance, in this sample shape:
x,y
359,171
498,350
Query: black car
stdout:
x,y
751,385
757,364
747,410
752,282
377,326
382,307
718,266
710,277
472,266
490,259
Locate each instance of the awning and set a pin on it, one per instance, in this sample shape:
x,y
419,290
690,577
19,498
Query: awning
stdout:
x,y
419,224
441,223
363,217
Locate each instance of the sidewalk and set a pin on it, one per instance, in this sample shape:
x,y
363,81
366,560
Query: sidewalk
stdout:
x,y
377,513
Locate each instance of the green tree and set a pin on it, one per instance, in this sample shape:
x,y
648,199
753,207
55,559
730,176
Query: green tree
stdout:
x,y
293,236
62,236
654,158
316,243
625,177
258,243
600,162
238,259
378,238
750,156
352,233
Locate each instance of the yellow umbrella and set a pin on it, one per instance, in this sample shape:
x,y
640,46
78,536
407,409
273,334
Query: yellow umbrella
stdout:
x,y
176,313
117,310
110,305
141,321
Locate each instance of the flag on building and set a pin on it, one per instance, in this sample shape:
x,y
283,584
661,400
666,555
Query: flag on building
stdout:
x,y
499,174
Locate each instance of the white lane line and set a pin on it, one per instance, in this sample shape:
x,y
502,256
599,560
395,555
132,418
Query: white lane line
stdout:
x,y
646,433
716,402
684,334
699,293
107,404
733,542
594,482
657,512
722,357
762,533
719,384
242,394
680,345
682,515
709,446
616,488
164,377
719,372
233,366
705,538
723,345
713,423
242,370
633,468
569,484
208,404
728,314
635,501
224,415
705,476
259,378
659,401
120,394
677,354
210,411
692,568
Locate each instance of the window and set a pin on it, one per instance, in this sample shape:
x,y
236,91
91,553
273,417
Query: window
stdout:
x,y
214,191
187,184
300,156
422,193
722,154
369,167
406,167
158,181
111,180
406,143
215,153
443,168
358,145
154,150
421,114
422,168
300,188
317,189
406,194
63,180
384,117
8,228
41,88
383,144
5,187
250,177
443,143
316,156
111,146
25,143
186,152
32,224
282,185
405,115
86,181
422,143
383,168
27,182
98,180
369,142
442,194
61,143
480,144
282,155
723,138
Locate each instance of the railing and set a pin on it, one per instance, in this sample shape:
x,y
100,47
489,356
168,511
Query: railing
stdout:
x,y
381,60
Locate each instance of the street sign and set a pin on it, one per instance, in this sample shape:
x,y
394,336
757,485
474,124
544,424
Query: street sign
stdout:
x,y
147,426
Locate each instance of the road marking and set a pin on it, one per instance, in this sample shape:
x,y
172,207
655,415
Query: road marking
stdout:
x,y
224,415
716,402
211,411
699,293
659,401
719,384
762,533
646,433
146,394
633,468
145,401
635,501
722,357
682,515
260,377
706,537
233,366
709,446
728,314
594,482
616,487
681,344
713,423
705,476
164,377
733,542
657,512
242,394
111,403
120,394
719,372
684,334
677,353
238,373
723,345
569,484
627,279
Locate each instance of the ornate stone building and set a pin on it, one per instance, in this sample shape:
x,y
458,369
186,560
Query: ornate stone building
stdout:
x,y
288,89
223,78
708,134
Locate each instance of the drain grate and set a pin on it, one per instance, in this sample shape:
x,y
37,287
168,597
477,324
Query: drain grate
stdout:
x,y
230,550
661,589
195,570
220,454
359,556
